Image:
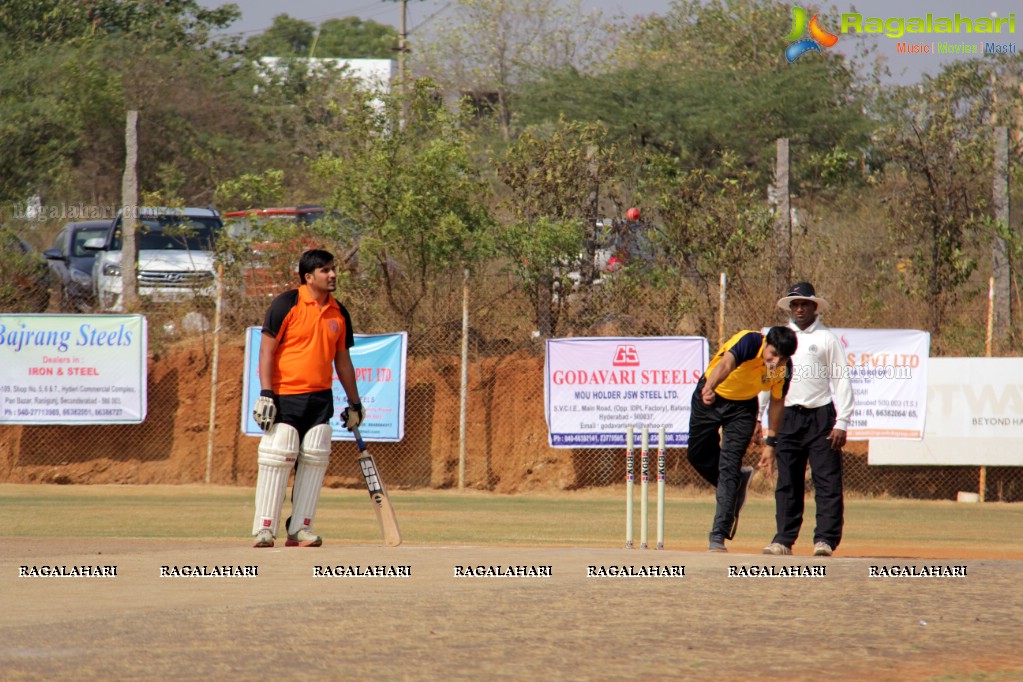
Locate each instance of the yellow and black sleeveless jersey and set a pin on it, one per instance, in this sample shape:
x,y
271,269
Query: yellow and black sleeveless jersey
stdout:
x,y
308,338
750,375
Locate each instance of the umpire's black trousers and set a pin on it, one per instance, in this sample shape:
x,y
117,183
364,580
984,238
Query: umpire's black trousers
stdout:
x,y
718,457
804,438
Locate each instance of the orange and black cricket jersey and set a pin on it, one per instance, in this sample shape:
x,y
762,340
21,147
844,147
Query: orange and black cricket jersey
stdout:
x,y
308,338
750,375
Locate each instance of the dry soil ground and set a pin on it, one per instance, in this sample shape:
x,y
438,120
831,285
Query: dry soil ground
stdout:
x,y
287,623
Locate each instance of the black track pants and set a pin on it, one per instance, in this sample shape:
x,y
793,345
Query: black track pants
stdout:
x,y
804,438
717,456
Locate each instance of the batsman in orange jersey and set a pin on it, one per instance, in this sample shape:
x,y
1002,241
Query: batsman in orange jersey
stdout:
x,y
306,337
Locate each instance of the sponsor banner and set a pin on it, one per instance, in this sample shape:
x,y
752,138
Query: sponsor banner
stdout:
x,y
888,371
595,388
974,416
73,369
380,364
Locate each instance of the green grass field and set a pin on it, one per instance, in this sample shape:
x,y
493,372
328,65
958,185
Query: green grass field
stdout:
x,y
593,518
436,626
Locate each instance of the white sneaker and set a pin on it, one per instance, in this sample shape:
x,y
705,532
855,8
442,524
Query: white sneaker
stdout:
x,y
303,538
777,549
264,538
822,549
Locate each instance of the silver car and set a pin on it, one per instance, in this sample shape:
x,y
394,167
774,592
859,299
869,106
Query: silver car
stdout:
x,y
175,257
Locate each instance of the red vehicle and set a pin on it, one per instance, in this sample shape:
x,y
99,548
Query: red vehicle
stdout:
x,y
247,219
276,240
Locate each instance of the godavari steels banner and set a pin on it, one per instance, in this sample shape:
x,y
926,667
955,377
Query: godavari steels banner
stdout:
x,y
596,388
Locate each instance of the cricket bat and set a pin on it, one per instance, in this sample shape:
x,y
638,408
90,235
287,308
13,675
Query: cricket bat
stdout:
x,y
378,493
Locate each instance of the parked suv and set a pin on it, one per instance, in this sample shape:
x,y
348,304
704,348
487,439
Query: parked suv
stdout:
x,y
175,257
71,263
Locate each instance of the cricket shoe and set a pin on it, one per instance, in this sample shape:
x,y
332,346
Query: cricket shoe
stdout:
x,y
822,549
777,549
264,538
303,538
745,476
716,544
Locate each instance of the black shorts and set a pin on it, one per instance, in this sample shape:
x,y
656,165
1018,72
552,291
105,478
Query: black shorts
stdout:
x,y
305,410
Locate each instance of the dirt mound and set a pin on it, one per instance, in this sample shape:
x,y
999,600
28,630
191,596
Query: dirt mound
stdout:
x,y
506,442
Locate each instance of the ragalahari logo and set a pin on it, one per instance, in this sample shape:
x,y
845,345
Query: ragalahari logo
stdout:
x,y
819,38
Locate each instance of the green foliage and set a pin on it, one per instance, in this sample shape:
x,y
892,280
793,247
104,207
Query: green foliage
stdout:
x,y
552,171
348,38
677,114
710,222
28,24
708,78
938,147
404,180
287,37
62,117
737,38
536,248
24,277
251,190
353,38
496,46
556,177
307,117
48,100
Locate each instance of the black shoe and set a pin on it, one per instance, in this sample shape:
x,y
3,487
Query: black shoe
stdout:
x,y
716,544
745,475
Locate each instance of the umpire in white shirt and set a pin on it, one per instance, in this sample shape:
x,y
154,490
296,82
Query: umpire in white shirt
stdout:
x,y
818,407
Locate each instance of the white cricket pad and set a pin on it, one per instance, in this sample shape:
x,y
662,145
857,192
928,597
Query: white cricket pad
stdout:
x,y
312,465
278,450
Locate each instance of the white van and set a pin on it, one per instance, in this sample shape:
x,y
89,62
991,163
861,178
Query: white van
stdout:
x,y
175,257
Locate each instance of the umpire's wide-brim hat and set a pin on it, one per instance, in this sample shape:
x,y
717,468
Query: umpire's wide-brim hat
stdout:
x,y
803,291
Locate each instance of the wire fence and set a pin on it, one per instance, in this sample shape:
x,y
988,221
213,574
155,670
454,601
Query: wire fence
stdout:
x,y
189,438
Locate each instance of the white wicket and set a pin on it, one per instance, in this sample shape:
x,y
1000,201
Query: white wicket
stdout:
x,y
660,488
630,478
644,487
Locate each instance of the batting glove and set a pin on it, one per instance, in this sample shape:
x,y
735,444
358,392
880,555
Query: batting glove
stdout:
x,y
265,411
352,416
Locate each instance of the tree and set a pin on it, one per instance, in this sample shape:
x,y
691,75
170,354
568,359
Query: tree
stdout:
x,y
251,190
26,25
348,38
710,221
937,143
353,38
408,191
556,179
492,46
63,98
287,37
709,77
